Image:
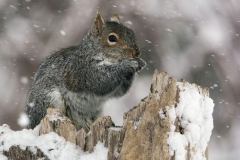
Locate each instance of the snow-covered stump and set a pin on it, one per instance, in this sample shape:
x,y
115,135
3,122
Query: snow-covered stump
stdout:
x,y
173,122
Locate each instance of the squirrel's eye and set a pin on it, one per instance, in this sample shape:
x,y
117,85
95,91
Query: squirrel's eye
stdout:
x,y
112,38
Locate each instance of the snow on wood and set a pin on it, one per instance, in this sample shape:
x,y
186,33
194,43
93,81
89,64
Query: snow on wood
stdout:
x,y
27,144
173,122
193,114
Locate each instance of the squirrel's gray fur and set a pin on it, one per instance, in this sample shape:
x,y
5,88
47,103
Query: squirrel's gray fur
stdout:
x,y
79,79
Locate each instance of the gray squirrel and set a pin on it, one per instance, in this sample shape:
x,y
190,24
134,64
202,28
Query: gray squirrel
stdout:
x,y
79,79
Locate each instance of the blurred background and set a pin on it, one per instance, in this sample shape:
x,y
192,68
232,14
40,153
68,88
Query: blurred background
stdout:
x,y
195,40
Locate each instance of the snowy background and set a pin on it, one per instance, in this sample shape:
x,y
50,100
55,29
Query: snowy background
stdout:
x,y
195,40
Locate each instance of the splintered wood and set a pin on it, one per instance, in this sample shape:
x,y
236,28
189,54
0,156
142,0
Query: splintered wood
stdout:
x,y
145,131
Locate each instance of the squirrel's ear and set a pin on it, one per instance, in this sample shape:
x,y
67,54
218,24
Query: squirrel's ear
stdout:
x,y
115,18
98,25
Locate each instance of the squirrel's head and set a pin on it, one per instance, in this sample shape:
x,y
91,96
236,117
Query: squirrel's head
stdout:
x,y
115,39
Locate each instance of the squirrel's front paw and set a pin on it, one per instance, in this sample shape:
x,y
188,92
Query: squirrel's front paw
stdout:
x,y
134,64
130,64
141,64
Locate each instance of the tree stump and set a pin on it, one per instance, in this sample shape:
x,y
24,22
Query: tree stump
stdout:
x,y
161,127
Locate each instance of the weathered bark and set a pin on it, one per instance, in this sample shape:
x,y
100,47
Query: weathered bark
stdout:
x,y
143,135
54,121
148,140
16,153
